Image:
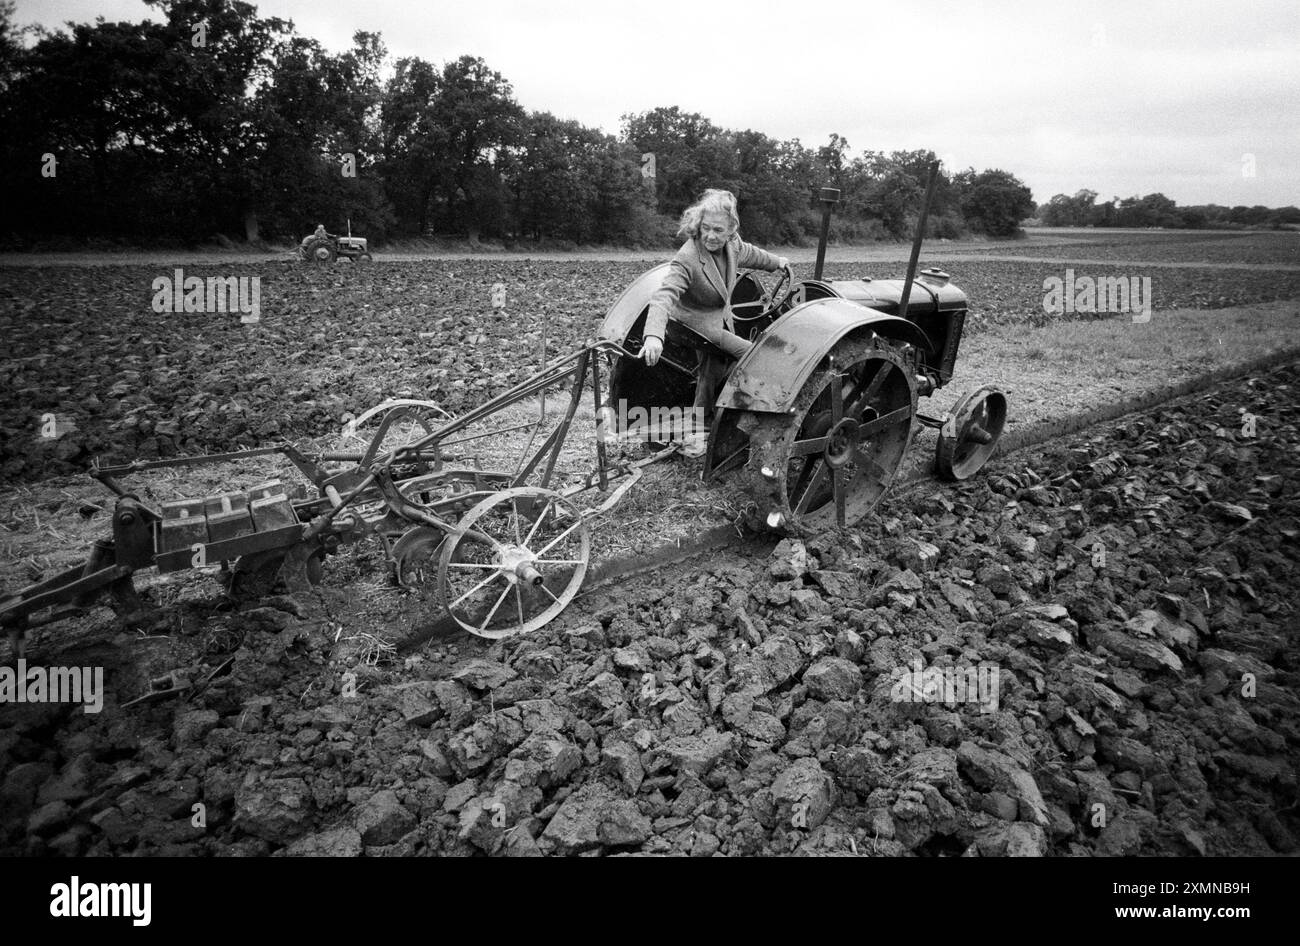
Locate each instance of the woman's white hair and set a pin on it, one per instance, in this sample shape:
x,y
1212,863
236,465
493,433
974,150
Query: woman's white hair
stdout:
x,y
711,201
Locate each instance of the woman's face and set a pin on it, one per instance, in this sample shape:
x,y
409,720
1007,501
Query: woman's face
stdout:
x,y
715,230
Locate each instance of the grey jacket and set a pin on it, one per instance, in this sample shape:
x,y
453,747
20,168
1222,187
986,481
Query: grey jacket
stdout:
x,y
696,293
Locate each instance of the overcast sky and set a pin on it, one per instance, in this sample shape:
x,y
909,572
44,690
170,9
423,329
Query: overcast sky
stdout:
x,y
1194,99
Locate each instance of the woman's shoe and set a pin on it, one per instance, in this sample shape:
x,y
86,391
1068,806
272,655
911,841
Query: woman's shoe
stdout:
x,y
694,445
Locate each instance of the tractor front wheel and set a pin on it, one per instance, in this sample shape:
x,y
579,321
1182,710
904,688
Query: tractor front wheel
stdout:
x,y
970,434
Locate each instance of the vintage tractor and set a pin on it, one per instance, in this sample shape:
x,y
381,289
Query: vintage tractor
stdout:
x,y
327,248
820,412
815,418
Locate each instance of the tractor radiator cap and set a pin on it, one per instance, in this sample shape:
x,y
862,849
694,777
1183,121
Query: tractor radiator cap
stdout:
x,y
935,277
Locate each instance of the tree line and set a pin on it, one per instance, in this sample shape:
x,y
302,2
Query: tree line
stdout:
x,y
218,122
1157,210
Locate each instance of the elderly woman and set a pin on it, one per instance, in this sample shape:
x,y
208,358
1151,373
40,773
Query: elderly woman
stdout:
x,y
696,292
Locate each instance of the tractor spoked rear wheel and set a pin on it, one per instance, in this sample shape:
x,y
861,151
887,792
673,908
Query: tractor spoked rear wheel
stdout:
x,y
829,461
514,563
970,434
322,251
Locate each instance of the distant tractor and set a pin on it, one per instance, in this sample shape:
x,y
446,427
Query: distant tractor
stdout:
x,y
323,247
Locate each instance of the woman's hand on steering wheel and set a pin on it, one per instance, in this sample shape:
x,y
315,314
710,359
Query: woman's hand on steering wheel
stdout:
x,y
785,282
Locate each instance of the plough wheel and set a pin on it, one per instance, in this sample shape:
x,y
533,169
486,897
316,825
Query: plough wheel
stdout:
x,y
830,460
392,425
970,434
514,563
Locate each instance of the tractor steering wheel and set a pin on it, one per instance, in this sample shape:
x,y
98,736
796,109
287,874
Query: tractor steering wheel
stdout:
x,y
786,278
754,316
764,305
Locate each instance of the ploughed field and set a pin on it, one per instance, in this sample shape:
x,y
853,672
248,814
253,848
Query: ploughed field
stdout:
x,y
1167,246
84,343
1091,648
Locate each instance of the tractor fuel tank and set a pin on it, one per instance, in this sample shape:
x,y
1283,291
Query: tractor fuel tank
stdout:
x,y
935,305
930,294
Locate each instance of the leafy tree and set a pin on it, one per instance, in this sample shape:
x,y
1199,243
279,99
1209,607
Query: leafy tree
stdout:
x,y
556,177
313,119
408,138
993,201
1104,214
891,187
773,200
834,160
471,120
892,198
916,165
85,98
446,137
625,209
206,91
1076,211
691,154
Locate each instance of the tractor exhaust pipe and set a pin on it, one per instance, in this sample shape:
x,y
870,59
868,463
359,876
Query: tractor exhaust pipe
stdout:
x,y
916,243
829,197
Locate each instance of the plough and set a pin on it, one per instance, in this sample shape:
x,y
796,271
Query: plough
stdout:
x,y
505,552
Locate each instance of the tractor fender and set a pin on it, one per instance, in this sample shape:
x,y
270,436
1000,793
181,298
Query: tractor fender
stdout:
x,y
770,375
622,315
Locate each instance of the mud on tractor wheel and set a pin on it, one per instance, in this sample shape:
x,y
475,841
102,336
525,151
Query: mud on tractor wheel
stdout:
x,y
828,462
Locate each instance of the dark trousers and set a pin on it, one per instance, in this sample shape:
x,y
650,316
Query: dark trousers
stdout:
x,y
711,375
